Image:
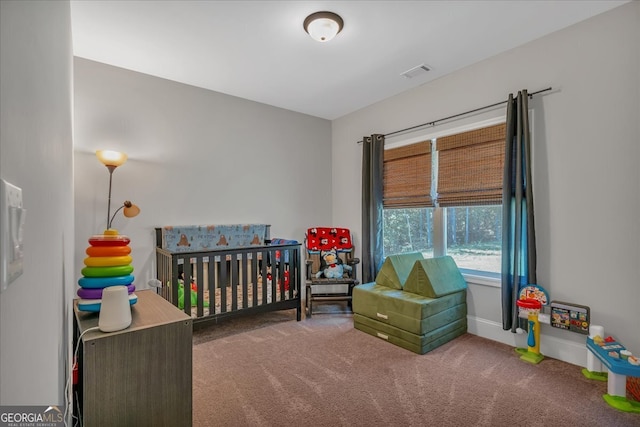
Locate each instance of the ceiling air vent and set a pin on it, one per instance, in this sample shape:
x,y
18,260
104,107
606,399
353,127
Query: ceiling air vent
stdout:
x,y
415,71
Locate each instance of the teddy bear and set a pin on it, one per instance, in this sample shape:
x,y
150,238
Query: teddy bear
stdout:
x,y
331,266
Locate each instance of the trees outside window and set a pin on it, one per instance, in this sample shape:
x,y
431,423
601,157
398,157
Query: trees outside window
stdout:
x,y
473,234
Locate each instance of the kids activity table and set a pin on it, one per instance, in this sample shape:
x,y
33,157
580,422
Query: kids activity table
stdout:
x,y
618,370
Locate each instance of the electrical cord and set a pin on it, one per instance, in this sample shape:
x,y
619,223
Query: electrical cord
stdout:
x,y
68,385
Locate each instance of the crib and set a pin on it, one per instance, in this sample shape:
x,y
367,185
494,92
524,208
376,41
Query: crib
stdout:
x,y
211,282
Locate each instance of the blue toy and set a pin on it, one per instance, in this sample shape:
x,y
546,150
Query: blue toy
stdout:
x,y
331,266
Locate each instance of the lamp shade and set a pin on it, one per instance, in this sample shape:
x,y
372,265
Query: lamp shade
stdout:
x,y
111,158
323,26
130,210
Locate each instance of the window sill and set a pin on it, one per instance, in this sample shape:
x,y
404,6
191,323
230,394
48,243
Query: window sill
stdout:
x,y
491,280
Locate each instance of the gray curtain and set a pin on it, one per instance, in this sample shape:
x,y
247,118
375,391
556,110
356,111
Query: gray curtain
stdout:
x,y
518,227
372,167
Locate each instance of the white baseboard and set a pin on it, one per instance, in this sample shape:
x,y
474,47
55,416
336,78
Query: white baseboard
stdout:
x,y
550,346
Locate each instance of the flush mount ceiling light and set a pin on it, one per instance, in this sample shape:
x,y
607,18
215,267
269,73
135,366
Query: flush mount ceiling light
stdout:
x,y
323,26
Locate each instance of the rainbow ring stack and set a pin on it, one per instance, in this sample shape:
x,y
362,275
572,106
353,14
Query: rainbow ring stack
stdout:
x,y
108,264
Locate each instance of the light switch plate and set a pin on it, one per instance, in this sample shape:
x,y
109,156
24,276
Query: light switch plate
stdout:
x,y
12,217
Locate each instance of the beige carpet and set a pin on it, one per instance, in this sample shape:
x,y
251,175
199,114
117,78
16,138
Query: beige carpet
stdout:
x,y
269,370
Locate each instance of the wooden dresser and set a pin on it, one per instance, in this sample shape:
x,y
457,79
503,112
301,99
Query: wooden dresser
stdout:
x,y
140,376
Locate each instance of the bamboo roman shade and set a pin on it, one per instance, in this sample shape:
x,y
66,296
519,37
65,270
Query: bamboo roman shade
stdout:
x,y
470,167
407,176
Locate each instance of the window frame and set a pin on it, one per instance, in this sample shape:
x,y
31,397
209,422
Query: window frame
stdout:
x,y
478,277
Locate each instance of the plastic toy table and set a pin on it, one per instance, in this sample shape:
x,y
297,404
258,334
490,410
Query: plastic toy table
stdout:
x,y
618,369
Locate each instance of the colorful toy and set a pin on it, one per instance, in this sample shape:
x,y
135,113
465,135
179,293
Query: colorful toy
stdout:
x,y
269,276
532,306
99,251
331,266
94,305
107,261
608,352
103,282
570,317
109,238
193,295
87,293
120,270
108,264
286,280
531,300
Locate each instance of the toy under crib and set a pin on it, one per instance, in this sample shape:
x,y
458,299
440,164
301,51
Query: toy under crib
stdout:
x,y
213,272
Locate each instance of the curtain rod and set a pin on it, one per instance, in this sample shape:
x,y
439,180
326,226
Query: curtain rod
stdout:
x,y
458,115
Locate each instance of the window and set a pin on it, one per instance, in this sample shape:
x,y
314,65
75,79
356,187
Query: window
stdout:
x,y
443,197
408,230
474,237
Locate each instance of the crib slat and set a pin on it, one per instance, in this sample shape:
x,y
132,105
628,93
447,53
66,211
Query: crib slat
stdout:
x,y
244,279
254,278
211,285
199,286
186,285
222,284
265,279
277,278
234,281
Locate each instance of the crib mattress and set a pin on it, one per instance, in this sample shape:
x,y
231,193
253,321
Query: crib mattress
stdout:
x,y
410,312
420,344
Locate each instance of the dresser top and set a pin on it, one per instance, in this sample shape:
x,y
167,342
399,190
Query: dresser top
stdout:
x,y
151,310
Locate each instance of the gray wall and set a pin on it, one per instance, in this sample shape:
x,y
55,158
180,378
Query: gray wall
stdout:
x,y
586,175
37,155
195,157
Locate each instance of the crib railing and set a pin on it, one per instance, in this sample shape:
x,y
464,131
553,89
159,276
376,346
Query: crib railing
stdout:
x,y
215,284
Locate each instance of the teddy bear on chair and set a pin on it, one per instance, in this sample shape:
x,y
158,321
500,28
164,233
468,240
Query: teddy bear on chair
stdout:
x,y
331,266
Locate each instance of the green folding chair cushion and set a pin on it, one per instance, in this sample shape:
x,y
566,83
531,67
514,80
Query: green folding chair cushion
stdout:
x,y
420,344
435,277
396,269
408,311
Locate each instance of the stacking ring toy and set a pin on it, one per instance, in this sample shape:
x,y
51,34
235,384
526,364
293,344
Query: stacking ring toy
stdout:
x,y
103,282
109,241
94,304
97,293
121,270
107,261
108,250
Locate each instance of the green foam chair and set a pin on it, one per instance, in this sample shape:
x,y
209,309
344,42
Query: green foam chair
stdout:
x,y
396,269
435,277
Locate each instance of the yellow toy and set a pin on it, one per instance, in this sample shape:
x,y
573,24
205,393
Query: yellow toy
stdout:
x,y
532,354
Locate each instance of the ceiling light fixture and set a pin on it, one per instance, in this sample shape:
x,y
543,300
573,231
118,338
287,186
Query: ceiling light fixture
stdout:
x,y
323,26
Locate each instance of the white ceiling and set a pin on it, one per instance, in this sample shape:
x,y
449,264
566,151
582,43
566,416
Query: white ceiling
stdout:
x,y
258,50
